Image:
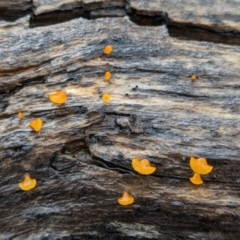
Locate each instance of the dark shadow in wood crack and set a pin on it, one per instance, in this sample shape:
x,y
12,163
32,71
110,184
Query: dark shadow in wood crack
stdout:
x,y
184,31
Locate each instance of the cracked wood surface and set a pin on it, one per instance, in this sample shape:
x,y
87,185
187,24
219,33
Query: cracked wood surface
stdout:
x,y
13,9
218,15
82,156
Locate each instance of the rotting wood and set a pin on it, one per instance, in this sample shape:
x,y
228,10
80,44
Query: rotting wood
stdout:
x,y
82,156
13,9
14,26
196,20
222,15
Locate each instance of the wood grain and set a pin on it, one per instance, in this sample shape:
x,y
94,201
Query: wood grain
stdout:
x,y
216,21
82,156
13,9
222,14
18,25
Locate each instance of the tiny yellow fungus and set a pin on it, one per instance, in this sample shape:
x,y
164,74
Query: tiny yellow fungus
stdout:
x,y
106,99
58,97
28,183
126,199
143,166
107,76
108,49
196,179
200,166
193,77
36,124
20,115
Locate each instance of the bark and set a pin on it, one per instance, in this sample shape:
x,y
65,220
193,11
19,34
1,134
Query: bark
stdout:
x,y
81,158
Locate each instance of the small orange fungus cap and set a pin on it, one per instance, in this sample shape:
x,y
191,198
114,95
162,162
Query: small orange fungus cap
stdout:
x,y
108,49
28,183
193,77
36,124
143,166
20,115
107,76
200,166
196,179
58,97
126,199
106,99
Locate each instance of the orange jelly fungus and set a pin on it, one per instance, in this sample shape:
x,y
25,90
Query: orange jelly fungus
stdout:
x,y
126,199
196,179
108,49
106,99
20,115
107,76
143,166
36,124
28,183
58,97
200,166
193,77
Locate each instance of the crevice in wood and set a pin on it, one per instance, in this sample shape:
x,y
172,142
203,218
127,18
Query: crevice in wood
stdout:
x,y
185,31
12,10
57,17
92,145
111,166
12,88
149,17
146,20
58,169
203,33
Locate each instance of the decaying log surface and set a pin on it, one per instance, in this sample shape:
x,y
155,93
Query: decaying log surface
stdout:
x,y
216,21
14,9
82,156
220,15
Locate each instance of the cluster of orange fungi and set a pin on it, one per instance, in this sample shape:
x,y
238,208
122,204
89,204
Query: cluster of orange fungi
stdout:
x,y
29,183
58,98
107,76
143,167
199,167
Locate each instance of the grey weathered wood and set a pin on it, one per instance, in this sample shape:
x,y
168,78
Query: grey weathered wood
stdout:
x,y
43,6
195,20
82,156
220,14
14,9
14,26
216,21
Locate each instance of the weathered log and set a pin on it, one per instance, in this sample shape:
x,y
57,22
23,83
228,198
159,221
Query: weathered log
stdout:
x,y
222,14
201,20
82,156
13,9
